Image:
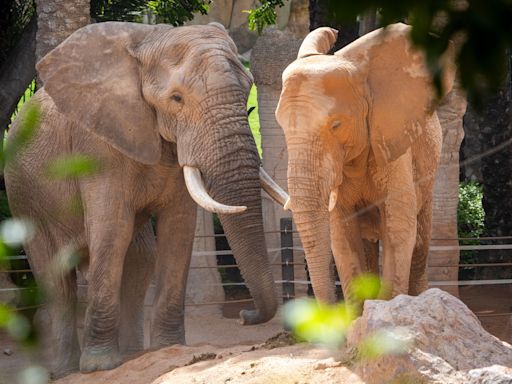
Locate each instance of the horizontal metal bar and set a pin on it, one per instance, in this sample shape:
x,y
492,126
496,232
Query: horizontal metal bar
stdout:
x,y
470,282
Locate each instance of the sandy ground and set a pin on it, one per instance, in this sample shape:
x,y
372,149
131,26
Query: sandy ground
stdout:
x,y
216,331
226,346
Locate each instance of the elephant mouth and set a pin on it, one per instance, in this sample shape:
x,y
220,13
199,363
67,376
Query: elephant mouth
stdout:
x,y
196,188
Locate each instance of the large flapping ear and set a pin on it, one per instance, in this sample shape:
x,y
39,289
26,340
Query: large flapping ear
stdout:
x,y
318,42
399,86
95,81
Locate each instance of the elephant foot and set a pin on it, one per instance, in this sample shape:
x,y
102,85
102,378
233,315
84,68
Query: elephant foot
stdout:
x,y
99,359
251,317
159,341
66,367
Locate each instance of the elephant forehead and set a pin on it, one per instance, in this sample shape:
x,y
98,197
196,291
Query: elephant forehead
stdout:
x,y
305,98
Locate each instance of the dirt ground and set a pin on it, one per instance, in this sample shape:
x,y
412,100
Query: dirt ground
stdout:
x,y
214,333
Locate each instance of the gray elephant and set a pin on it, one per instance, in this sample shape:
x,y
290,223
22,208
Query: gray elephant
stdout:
x,y
164,111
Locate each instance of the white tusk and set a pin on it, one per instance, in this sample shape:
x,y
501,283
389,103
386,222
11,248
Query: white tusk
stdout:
x,y
333,197
198,192
287,205
271,187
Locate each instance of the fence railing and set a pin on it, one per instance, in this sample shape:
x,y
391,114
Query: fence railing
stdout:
x,y
292,256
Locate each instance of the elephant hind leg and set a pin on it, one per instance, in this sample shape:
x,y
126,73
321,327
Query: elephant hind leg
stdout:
x,y
56,320
137,272
418,280
371,261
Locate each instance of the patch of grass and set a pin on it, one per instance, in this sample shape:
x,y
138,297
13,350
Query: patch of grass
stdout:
x,y
254,117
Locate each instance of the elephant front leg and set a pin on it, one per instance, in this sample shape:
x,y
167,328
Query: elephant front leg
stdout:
x,y
347,247
418,280
108,243
138,269
175,239
399,228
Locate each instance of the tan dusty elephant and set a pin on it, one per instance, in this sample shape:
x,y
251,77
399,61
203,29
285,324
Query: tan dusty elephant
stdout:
x,y
363,148
164,111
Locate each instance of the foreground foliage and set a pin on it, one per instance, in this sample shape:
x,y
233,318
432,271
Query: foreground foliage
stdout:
x,y
482,29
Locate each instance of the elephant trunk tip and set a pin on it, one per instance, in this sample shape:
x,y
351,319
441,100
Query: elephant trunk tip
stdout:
x,y
254,316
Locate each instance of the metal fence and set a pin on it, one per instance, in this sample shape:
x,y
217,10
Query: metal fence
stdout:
x,y
288,256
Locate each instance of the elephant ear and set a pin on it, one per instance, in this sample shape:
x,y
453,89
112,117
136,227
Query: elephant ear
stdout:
x,y
318,42
95,81
399,89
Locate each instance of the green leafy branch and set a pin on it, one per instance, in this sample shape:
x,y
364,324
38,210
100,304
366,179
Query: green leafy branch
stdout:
x,y
264,15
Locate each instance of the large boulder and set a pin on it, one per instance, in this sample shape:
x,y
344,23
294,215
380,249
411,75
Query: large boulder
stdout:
x,y
444,340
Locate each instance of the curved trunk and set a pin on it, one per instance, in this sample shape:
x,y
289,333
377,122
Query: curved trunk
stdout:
x,y
232,178
309,200
314,233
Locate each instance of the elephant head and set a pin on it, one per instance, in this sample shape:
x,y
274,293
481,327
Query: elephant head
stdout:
x,y
365,105
138,86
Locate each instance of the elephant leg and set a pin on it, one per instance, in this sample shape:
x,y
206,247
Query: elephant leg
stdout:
x,y
175,239
347,247
108,241
399,222
56,320
137,271
418,280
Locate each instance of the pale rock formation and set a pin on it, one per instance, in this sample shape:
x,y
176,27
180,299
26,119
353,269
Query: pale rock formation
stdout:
x,y
444,342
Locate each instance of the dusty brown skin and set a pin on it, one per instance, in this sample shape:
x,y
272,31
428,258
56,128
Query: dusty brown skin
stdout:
x,y
145,101
363,148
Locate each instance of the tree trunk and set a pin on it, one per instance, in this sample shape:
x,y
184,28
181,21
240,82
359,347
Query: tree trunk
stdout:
x,y
443,263
271,54
17,73
56,20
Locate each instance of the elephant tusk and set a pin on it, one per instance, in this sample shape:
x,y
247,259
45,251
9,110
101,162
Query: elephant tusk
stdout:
x,y
333,197
287,205
271,187
198,192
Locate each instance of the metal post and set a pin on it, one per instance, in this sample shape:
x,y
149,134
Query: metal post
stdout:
x,y
287,259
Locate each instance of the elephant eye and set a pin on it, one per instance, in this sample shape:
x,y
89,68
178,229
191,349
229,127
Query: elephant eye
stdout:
x,y
177,98
335,125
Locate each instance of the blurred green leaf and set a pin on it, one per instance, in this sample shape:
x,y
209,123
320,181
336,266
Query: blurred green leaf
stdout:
x,y
29,122
66,260
319,323
18,327
365,287
264,15
385,342
15,232
72,166
5,315
34,374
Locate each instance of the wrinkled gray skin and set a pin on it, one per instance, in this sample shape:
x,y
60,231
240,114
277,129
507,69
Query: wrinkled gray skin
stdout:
x,y
145,101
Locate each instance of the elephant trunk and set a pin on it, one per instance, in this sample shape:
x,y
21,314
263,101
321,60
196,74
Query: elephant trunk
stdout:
x,y
234,180
309,203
